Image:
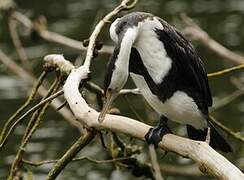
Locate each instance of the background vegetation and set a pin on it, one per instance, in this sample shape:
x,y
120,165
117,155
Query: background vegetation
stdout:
x,y
222,20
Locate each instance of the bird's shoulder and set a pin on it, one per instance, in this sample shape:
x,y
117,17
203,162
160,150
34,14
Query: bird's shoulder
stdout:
x,y
185,60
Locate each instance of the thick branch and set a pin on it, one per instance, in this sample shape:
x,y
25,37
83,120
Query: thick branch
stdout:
x,y
208,159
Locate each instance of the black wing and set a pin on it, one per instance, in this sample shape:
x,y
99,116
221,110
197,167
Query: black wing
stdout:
x,y
188,63
110,67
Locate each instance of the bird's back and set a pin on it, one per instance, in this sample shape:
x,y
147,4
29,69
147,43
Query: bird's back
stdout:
x,y
172,71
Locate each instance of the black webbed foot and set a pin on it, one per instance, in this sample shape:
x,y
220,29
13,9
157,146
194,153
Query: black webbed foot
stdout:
x,y
154,135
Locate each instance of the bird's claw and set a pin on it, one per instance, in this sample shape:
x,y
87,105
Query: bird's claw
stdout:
x,y
154,135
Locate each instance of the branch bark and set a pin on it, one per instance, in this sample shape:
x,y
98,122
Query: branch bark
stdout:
x,y
208,159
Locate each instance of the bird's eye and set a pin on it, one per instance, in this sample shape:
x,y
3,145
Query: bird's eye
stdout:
x,y
109,90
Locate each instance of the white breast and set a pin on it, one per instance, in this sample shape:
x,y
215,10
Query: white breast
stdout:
x,y
152,50
179,108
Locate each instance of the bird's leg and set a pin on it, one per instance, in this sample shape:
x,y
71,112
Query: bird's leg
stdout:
x,y
154,135
207,140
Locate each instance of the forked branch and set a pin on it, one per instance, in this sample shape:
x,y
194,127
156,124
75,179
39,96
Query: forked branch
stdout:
x,y
208,159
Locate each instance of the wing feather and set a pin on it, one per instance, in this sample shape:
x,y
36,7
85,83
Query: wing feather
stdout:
x,y
186,60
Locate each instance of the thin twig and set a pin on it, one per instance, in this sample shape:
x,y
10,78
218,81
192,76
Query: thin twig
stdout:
x,y
31,128
155,165
70,154
91,47
20,110
235,135
227,99
237,82
55,37
18,45
178,170
54,87
23,74
15,68
40,163
225,71
118,141
98,90
134,91
94,88
11,129
48,99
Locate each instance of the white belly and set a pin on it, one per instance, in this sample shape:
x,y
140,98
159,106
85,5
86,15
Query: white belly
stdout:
x,y
179,108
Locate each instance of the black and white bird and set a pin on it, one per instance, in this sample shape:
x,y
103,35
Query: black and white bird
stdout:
x,y
168,72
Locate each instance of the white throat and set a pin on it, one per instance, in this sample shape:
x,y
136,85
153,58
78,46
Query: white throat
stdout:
x,y
121,71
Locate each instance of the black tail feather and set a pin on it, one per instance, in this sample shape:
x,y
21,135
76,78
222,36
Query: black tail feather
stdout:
x,y
216,140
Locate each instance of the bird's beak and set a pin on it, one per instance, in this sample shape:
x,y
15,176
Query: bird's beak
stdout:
x,y
110,96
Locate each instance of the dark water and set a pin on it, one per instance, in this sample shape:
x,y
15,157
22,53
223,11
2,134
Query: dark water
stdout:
x,y
222,19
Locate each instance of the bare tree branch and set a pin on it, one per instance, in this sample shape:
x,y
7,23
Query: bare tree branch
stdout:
x,y
91,46
155,165
40,163
90,50
193,31
206,158
225,71
209,160
169,169
20,72
33,124
10,124
70,154
18,45
54,37
227,99
236,135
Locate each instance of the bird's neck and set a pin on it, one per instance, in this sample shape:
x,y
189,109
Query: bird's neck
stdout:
x,y
126,44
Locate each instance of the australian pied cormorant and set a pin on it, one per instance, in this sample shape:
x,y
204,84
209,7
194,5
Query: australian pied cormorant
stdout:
x,y
168,72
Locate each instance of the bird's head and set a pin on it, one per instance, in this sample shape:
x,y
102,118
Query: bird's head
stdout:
x,y
117,71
